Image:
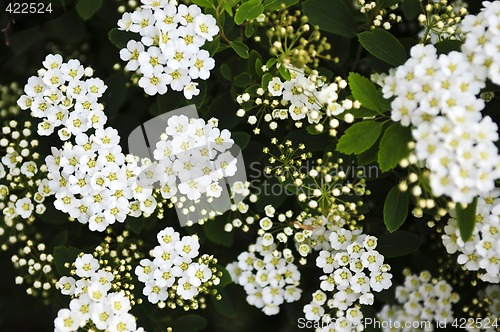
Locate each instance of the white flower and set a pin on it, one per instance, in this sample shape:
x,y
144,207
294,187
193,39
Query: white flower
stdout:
x,y
191,90
188,246
206,26
275,87
155,82
314,311
24,207
131,54
52,61
201,65
66,285
86,265
68,321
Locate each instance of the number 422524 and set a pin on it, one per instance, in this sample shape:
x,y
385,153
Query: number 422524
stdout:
x,y
28,8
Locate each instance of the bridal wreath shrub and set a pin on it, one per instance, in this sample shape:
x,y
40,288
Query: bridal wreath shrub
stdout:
x,y
249,165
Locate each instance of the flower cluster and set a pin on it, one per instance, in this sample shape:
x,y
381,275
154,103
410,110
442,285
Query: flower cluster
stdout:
x,y
302,97
442,19
293,40
64,94
95,183
99,299
378,18
22,178
438,96
178,275
269,276
169,53
92,180
481,252
353,269
192,157
421,298
35,267
480,45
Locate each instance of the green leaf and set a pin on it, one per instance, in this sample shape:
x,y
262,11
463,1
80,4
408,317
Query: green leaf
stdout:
x,y
135,225
447,46
226,279
411,8
396,208
394,146
383,45
63,255
331,16
360,137
240,49
213,46
266,79
254,64
285,73
60,239
241,139
204,3
116,93
276,4
397,244
214,230
224,306
120,38
258,67
243,80
249,30
366,93
189,323
249,10
466,219
369,156
271,62
228,8
226,72
363,112
87,8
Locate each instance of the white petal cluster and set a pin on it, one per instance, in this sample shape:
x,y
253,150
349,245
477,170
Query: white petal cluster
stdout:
x,y
91,178
94,302
95,183
176,269
168,53
304,96
353,269
192,157
421,298
481,253
64,95
269,276
437,95
481,42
